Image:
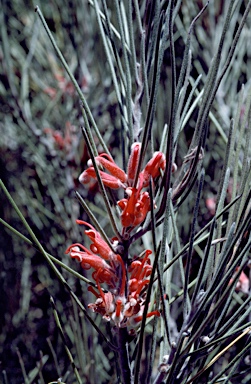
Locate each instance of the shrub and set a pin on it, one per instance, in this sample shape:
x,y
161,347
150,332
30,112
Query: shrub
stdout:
x,y
160,183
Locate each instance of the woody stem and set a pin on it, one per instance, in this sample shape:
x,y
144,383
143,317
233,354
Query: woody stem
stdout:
x,y
126,374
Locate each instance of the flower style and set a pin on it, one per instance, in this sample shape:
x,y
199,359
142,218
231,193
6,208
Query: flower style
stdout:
x,y
124,303
137,205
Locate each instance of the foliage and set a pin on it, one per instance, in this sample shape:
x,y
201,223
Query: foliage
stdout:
x,y
153,94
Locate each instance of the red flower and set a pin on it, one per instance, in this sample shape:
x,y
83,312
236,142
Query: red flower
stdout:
x,y
99,245
108,180
117,177
152,169
104,303
135,208
139,271
125,309
135,320
63,141
109,164
103,272
115,180
137,205
133,163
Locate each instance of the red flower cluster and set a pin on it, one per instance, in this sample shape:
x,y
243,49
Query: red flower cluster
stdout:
x,y
63,141
64,84
135,207
124,303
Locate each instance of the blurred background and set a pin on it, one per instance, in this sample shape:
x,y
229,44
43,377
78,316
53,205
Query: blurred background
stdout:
x,y
43,153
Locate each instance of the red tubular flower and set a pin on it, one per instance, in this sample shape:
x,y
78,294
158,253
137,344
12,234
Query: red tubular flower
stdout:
x,y
114,180
99,245
108,180
117,177
89,260
104,303
139,270
135,320
109,164
124,310
137,205
152,169
118,315
142,208
133,163
132,307
128,206
135,208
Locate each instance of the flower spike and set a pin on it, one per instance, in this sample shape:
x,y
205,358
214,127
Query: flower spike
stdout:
x,y
123,308
124,303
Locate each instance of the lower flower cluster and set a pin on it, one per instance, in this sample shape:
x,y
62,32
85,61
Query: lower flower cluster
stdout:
x,y
124,302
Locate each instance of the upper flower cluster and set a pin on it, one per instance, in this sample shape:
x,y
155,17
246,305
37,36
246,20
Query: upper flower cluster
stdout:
x,y
135,207
124,303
